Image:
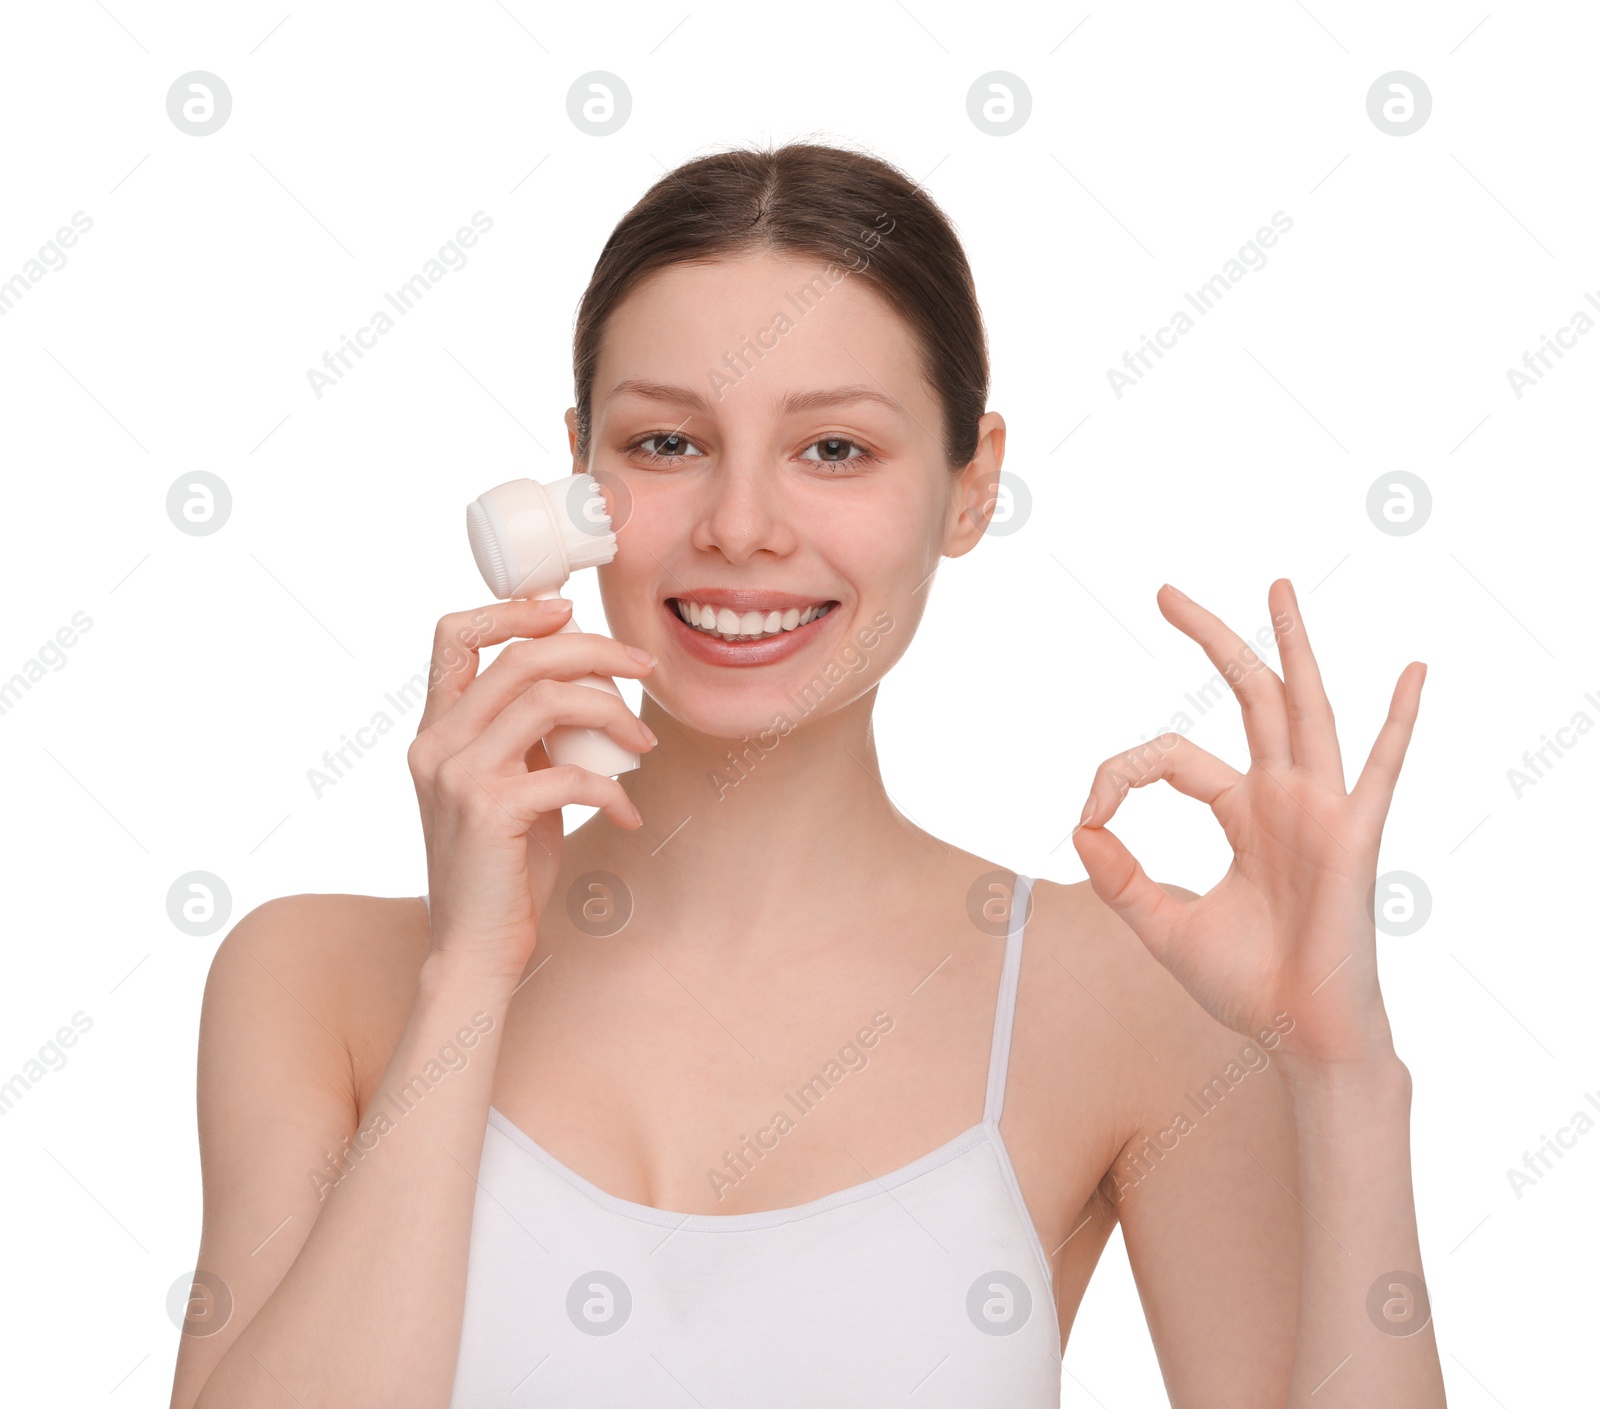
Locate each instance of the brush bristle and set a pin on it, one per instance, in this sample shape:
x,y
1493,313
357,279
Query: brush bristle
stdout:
x,y
486,550
586,527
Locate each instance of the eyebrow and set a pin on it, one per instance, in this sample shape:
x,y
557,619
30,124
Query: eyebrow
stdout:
x,y
794,402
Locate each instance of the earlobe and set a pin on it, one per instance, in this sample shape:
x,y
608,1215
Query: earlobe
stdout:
x,y
974,496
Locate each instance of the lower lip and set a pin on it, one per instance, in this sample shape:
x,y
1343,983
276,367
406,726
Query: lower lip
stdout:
x,y
715,651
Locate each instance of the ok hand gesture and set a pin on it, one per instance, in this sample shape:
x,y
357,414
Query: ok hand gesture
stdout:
x,y
1289,928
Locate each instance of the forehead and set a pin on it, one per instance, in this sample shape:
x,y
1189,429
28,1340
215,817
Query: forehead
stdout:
x,y
787,322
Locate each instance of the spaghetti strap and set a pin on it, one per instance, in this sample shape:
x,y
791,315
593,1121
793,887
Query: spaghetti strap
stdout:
x,y
1006,1004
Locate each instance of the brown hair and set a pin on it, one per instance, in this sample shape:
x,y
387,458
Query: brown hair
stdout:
x,y
830,203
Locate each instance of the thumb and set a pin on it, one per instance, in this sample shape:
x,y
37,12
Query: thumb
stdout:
x,y
1120,881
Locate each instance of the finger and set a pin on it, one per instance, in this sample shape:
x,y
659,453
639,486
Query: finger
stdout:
x,y
569,785
523,800
1167,757
534,712
1259,691
1120,881
1313,739
564,656
1374,789
459,637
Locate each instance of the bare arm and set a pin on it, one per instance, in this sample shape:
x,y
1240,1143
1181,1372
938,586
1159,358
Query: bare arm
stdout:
x,y
1205,1191
343,1248
1366,1325
357,1297
1256,1188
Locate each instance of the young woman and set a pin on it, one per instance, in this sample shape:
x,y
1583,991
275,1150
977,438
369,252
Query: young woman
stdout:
x,y
749,1090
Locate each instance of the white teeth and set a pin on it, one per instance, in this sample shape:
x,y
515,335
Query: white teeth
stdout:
x,y
751,626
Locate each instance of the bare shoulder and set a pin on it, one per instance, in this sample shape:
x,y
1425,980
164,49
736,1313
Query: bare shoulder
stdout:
x,y
1098,1011
1080,943
345,965
300,994
328,947
307,925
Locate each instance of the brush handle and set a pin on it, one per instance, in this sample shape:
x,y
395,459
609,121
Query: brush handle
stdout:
x,y
586,747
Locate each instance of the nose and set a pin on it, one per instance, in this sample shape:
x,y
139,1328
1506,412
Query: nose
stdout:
x,y
744,510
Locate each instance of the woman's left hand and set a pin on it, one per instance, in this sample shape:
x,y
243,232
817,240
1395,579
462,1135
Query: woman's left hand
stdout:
x,y
1287,934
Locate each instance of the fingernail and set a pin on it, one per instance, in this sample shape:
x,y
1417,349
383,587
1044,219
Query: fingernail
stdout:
x,y
1179,595
649,733
555,604
1088,807
641,655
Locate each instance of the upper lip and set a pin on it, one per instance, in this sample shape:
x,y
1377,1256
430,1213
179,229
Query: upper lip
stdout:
x,y
748,599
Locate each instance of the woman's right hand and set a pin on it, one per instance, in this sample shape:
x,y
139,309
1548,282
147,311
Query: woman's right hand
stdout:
x,y
490,798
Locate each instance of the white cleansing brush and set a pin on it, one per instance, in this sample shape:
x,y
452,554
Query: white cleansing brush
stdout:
x,y
527,539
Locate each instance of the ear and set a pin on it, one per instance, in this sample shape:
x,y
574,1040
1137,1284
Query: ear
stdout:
x,y
571,419
976,490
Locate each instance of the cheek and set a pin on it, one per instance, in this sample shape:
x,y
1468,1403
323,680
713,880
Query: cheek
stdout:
x,y
887,572
622,586
650,550
884,554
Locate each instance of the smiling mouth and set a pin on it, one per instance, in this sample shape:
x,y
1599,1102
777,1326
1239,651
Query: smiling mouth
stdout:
x,y
727,625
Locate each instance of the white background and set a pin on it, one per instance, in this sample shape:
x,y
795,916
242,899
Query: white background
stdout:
x,y
178,733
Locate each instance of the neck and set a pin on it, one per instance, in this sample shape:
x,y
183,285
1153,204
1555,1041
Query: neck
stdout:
x,y
778,838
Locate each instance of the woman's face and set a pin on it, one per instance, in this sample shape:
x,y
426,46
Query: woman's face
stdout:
x,y
764,434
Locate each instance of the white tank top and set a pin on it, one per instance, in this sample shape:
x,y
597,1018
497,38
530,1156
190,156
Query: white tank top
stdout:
x,y
928,1282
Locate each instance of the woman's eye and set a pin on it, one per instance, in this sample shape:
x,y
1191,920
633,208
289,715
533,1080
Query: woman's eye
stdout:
x,y
673,446
834,450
